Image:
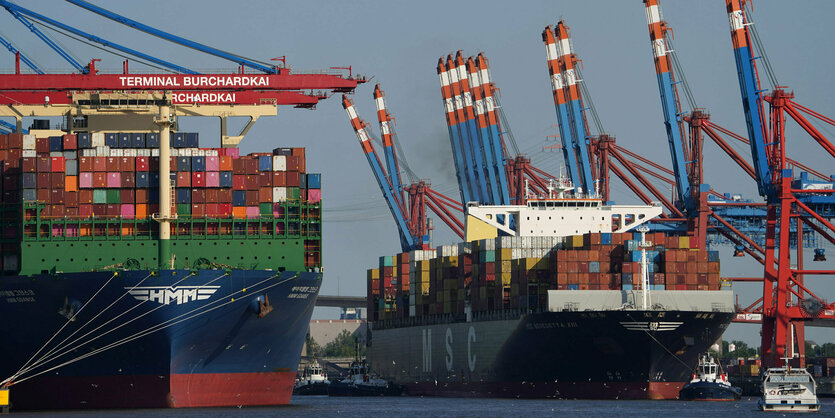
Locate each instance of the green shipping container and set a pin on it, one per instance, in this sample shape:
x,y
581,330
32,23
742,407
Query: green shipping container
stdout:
x,y
293,193
113,196
100,196
184,209
266,208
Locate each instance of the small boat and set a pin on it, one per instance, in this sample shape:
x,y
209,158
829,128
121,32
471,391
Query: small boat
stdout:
x,y
788,389
709,384
360,382
313,381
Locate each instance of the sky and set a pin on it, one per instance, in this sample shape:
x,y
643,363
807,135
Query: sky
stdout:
x,y
398,44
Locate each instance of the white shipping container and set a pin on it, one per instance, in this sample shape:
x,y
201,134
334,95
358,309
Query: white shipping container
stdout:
x,y
211,153
412,310
279,163
154,152
29,153
279,194
175,152
117,152
85,153
143,152
186,152
29,141
97,139
199,153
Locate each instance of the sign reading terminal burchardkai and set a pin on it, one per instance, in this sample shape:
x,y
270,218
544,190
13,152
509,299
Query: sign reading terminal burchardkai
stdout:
x,y
195,81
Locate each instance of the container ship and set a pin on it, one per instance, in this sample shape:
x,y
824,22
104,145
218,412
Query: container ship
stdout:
x,y
102,311
558,298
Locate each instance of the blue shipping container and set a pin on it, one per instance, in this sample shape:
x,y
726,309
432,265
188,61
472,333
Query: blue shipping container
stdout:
x,y
56,143
30,195
314,181
178,140
265,163
143,180
574,287
85,140
183,163
192,140
605,238
137,140
111,140
124,140
183,196
225,179
30,181
152,140
198,163
239,197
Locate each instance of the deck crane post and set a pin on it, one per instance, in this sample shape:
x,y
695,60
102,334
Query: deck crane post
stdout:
x,y
407,241
471,152
487,88
386,122
461,171
563,121
578,124
669,101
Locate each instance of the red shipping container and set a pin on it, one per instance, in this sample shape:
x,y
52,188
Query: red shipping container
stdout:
x,y
57,211
127,164
141,195
13,157
100,164
113,164
252,182
238,182
225,210
224,196
85,210
292,163
128,180
44,181
29,164
99,180
56,196
292,179
238,166
265,195
71,199
212,210
114,210
279,178
183,179
4,142
57,180
251,165
41,145
265,179
198,179
126,196
198,195
85,164
44,165
252,198
212,196
100,209
44,195
85,197
70,142
142,163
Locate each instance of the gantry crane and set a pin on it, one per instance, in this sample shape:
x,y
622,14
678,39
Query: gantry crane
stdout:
x,y
786,302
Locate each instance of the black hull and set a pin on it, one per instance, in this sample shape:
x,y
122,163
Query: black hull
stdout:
x,y
345,389
589,355
311,389
707,391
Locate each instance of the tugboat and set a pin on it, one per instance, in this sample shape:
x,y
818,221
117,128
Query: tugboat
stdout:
x,y
709,384
361,382
313,381
787,389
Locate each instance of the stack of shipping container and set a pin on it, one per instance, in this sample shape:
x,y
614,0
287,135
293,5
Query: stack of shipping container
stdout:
x,y
50,182
516,272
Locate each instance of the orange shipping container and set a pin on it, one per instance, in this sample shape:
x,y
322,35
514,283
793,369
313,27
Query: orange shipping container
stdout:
x,y
141,211
71,183
239,212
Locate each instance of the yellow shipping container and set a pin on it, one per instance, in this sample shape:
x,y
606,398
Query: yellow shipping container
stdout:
x,y
373,274
504,254
505,266
684,242
576,241
506,277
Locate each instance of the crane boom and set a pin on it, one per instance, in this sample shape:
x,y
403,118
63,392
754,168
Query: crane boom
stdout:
x,y
385,120
491,164
461,172
669,101
407,241
483,68
174,38
23,58
471,157
486,185
752,100
575,106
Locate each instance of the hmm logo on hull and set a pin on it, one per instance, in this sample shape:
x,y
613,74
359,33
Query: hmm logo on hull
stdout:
x,y
177,295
